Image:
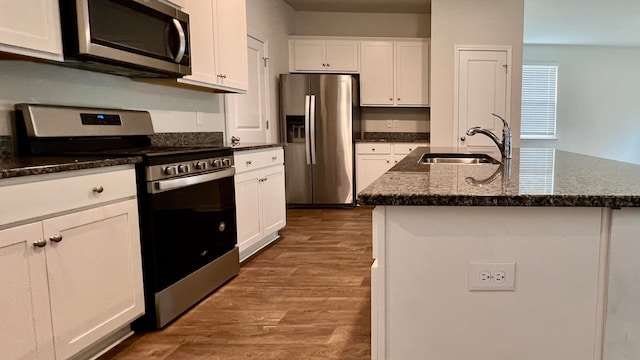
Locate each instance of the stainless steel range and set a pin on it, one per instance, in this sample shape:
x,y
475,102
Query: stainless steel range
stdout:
x,y
185,196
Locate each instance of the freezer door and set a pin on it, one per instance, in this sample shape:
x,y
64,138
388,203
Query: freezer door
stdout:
x,y
331,139
295,100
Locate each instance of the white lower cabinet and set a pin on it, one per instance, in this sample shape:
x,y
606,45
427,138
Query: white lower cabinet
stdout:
x,y
260,198
375,159
71,280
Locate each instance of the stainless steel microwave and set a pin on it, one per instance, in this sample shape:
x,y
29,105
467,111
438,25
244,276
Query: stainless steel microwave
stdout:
x,y
136,38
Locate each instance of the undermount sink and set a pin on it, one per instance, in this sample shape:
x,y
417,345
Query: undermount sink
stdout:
x,y
456,158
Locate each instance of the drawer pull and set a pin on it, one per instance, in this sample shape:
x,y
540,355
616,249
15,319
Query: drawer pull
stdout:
x,y
98,189
248,162
274,158
56,238
373,149
388,161
40,243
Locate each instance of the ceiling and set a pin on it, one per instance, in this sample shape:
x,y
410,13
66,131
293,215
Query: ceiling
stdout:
x,y
573,22
368,6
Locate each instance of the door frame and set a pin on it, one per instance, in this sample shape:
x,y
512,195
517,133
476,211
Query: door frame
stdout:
x,y
231,102
456,71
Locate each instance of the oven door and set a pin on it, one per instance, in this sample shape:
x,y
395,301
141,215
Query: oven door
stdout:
x,y
145,33
192,222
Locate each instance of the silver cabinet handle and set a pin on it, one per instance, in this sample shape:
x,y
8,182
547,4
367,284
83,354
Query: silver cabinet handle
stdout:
x,y
40,243
98,189
224,76
56,238
373,149
388,161
463,138
274,158
398,99
248,162
323,64
390,99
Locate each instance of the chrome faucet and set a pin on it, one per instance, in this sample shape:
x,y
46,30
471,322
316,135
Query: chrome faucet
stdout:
x,y
504,145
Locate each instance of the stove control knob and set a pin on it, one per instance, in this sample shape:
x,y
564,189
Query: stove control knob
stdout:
x,y
226,162
201,165
183,169
216,163
170,170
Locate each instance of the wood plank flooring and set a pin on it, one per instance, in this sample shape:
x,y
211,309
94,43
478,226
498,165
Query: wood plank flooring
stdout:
x,y
305,297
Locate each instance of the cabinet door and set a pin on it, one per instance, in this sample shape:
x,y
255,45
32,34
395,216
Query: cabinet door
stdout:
x,y
376,73
309,55
369,168
274,207
341,55
248,209
95,274
25,331
412,73
31,27
203,67
230,37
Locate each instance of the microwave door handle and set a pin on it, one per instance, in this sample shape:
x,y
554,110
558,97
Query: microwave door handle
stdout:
x,y
307,131
183,40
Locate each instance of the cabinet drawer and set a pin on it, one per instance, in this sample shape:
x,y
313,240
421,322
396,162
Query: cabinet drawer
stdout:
x,y
251,160
52,193
373,148
405,148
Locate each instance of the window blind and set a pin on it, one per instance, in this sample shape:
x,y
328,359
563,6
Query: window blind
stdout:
x,y
539,94
536,171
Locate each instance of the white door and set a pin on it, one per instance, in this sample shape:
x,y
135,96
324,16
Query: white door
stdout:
x,y
376,73
248,215
369,168
273,199
25,319
412,73
482,89
248,114
341,55
31,25
95,274
230,38
309,55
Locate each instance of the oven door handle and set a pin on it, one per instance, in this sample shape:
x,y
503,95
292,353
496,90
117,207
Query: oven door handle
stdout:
x,y
172,184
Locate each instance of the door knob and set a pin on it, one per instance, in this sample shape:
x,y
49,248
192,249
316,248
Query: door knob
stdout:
x,y
56,238
40,243
463,138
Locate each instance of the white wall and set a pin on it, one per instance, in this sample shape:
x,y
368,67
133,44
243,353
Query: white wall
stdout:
x,y
471,22
374,119
273,21
51,84
362,24
598,93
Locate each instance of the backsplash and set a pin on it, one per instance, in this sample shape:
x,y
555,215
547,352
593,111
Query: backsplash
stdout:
x,y
188,139
6,148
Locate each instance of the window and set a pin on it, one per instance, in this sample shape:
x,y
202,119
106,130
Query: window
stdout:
x,y
539,93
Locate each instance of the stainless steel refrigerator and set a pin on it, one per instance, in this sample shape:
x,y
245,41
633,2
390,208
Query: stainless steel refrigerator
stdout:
x,y
320,117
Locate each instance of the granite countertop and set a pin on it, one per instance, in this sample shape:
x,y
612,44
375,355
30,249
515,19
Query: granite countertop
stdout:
x,y
253,146
534,177
398,137
25,166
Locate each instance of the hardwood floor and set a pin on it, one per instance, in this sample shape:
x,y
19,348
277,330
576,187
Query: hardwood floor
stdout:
x,y
305,297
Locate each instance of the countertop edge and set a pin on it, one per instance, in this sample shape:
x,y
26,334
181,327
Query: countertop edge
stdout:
x,y
63,164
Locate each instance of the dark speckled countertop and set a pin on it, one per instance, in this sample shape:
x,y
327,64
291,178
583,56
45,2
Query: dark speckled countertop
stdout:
x,y
534,177
25,166
253,146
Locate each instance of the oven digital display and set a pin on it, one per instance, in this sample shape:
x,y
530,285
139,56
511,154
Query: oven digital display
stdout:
x,y
100,119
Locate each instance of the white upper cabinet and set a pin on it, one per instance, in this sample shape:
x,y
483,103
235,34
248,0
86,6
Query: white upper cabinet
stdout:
x,y
218,44
31,28
319,55
394,73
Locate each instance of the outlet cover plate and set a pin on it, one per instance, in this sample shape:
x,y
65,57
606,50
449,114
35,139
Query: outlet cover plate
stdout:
x,y
501,276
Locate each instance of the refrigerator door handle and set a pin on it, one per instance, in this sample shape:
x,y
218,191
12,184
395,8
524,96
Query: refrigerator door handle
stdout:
x,y
312,113
307,148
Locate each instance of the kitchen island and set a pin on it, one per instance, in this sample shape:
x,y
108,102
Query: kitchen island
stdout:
x,y
560,227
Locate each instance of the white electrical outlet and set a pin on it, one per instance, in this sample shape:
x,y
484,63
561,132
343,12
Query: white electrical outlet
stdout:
x,y
199,118
492,276
389,123
395,123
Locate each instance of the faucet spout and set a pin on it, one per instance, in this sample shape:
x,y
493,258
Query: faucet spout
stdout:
x,y
504,145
